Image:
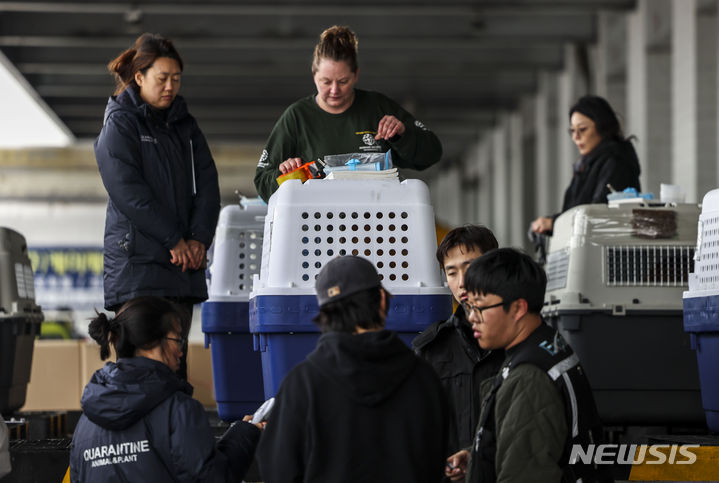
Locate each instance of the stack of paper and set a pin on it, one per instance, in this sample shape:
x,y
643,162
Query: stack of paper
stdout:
x,y
383,174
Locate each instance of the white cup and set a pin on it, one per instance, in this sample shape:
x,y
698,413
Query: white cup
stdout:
x,y
671,193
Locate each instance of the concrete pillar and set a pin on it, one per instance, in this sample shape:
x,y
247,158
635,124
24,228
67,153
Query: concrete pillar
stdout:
x,y
527,182
572,85
515,186
707,174
485,186
684,82
610,75
636,117
545,158
470,184
500,176
446,197
649,90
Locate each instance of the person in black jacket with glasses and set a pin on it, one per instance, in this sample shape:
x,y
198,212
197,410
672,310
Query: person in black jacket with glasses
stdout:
x,y
607,158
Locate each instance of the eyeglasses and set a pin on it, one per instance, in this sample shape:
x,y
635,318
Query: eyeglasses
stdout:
x,y
579,131
180,341
468,308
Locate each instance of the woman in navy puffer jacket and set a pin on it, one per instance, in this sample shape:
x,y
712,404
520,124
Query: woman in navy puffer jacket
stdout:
x,y
161,180
139,420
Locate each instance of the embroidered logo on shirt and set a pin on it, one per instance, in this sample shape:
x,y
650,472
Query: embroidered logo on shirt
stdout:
x,y
147,139
420,125
262,163
370,144
368,139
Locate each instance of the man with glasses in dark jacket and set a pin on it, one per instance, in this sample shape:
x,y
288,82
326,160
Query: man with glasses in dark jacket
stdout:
x,y
540,403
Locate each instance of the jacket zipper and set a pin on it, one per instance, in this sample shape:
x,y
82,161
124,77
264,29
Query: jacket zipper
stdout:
x,y
192,160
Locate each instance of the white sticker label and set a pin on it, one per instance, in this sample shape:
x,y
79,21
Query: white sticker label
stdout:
x,y
20,280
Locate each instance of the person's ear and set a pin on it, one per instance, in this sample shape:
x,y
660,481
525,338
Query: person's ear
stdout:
x,y
520,308
139,78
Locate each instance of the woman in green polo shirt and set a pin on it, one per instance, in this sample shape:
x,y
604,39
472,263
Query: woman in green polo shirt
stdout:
x,y
341,119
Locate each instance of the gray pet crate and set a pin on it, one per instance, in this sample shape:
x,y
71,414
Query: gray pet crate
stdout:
x,y
20,320
616,274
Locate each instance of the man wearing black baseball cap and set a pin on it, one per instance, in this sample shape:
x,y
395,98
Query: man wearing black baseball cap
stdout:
x,y
362,407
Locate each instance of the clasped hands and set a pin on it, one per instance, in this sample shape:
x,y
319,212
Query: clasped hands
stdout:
x,y
189,255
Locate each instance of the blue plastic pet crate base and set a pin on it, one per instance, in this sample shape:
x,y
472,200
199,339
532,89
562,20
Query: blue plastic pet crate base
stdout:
x,y
640,366
701,320
236,366
285,334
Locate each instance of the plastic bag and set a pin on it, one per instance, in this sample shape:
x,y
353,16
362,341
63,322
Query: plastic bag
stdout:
x,y
358,161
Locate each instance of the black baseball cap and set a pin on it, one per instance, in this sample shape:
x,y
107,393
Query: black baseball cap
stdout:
x,y
344,276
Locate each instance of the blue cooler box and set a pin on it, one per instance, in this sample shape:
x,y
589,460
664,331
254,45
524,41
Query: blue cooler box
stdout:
x,y
236,366
284,332
701,320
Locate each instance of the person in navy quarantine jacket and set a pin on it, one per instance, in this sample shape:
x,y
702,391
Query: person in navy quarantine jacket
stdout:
x,y
161,180
139,420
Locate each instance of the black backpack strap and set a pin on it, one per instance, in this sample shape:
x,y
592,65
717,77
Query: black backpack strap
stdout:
x,y
561,370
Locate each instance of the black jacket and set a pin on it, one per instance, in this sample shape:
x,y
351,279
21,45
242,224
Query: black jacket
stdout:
x,y
360,408
140,423
462,365
162,186
611,162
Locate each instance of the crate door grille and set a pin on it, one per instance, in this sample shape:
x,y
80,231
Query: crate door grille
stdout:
x,y
649,265
382,236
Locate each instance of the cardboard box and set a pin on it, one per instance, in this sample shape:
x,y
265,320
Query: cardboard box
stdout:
x,y
62,368
90,361
199,373
54,377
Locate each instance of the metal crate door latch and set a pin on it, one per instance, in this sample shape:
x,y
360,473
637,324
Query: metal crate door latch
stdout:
x,y
619,310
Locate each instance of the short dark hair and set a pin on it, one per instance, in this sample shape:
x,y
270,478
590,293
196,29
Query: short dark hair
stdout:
x,y
361,309
467,236
510,274
148,48
598,110
141,323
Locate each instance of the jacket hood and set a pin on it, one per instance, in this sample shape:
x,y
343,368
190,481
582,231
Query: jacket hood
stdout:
x,y
130,101
621,149
120,394
369,366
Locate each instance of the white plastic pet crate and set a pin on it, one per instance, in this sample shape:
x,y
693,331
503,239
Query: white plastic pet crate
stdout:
x,y
237,250
236,257
388,222
615,279
701,306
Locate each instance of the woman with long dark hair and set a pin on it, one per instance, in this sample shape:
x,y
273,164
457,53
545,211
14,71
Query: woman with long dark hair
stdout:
x,y
607,158
139,420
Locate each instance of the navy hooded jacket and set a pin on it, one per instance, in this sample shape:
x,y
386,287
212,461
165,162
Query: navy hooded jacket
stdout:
x,y
140,423
162,185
